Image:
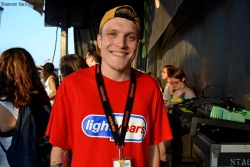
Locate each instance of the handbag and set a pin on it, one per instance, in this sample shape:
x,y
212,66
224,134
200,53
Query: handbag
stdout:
x,y
27,149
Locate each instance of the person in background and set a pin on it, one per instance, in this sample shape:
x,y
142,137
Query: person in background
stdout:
x,y
165,146
71,63
179,94
180,91
110,114
168,87
51,81
92,58
20,87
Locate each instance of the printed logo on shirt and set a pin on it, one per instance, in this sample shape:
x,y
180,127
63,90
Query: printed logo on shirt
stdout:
x,y
97,126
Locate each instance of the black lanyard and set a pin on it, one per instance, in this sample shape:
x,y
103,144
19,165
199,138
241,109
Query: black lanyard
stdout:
x,y
119,139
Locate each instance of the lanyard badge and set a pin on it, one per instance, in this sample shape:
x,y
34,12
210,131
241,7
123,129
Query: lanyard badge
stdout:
x,y
121,161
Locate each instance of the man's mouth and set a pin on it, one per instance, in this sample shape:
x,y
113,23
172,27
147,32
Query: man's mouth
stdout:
x,y
120,54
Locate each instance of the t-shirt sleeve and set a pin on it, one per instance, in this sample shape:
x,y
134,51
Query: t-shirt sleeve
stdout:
x,y
58,129
161,126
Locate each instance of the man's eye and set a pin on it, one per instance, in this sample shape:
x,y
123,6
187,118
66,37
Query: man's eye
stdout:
x,y
111,34
132,37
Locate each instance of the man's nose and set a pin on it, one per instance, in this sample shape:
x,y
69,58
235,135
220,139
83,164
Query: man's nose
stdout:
x,y
121,41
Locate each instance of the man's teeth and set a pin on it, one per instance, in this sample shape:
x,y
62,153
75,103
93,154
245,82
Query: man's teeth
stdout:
x,y
118,54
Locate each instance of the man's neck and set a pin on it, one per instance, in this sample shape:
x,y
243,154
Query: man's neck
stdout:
x,y
115,74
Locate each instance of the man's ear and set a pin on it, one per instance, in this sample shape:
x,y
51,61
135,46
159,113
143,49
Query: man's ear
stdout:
x,y
99,43
137,49
183,79
139,42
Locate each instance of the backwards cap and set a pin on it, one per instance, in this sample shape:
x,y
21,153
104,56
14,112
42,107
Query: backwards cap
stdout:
x,y
112,14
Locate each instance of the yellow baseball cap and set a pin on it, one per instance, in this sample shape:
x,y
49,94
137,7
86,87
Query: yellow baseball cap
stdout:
x,y
112,14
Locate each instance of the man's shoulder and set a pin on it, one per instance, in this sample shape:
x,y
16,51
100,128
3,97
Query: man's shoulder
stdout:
x,y
146,81
82,76
144,77
83,73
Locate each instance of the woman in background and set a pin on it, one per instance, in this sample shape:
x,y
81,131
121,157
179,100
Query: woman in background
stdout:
x,y
180,91
168,87
70,64
20,86
51,81
179,94
92,58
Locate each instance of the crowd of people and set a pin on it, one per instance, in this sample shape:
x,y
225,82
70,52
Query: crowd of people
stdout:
x,y
98,92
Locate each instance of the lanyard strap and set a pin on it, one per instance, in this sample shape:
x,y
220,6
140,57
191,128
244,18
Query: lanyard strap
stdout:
x,y
119,139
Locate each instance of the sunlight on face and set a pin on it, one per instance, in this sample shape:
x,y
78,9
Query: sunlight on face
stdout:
x,y
164,73
118,43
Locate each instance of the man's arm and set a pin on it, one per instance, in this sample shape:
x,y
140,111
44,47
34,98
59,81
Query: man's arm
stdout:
x,y
154,156
59,157
165,150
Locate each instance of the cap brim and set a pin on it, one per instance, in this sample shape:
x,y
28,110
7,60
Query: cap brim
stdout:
x,y
111,14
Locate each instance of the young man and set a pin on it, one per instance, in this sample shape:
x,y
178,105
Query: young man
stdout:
x,y
110,114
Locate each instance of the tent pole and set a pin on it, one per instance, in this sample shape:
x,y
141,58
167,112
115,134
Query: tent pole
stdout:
x,y
64,41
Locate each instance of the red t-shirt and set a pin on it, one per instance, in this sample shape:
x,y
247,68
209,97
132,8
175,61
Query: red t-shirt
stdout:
x,y
78,121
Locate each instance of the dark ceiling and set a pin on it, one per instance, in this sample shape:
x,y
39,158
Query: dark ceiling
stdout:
x,y
76,13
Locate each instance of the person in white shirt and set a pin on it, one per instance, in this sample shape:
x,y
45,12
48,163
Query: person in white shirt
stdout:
x,y
51,81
